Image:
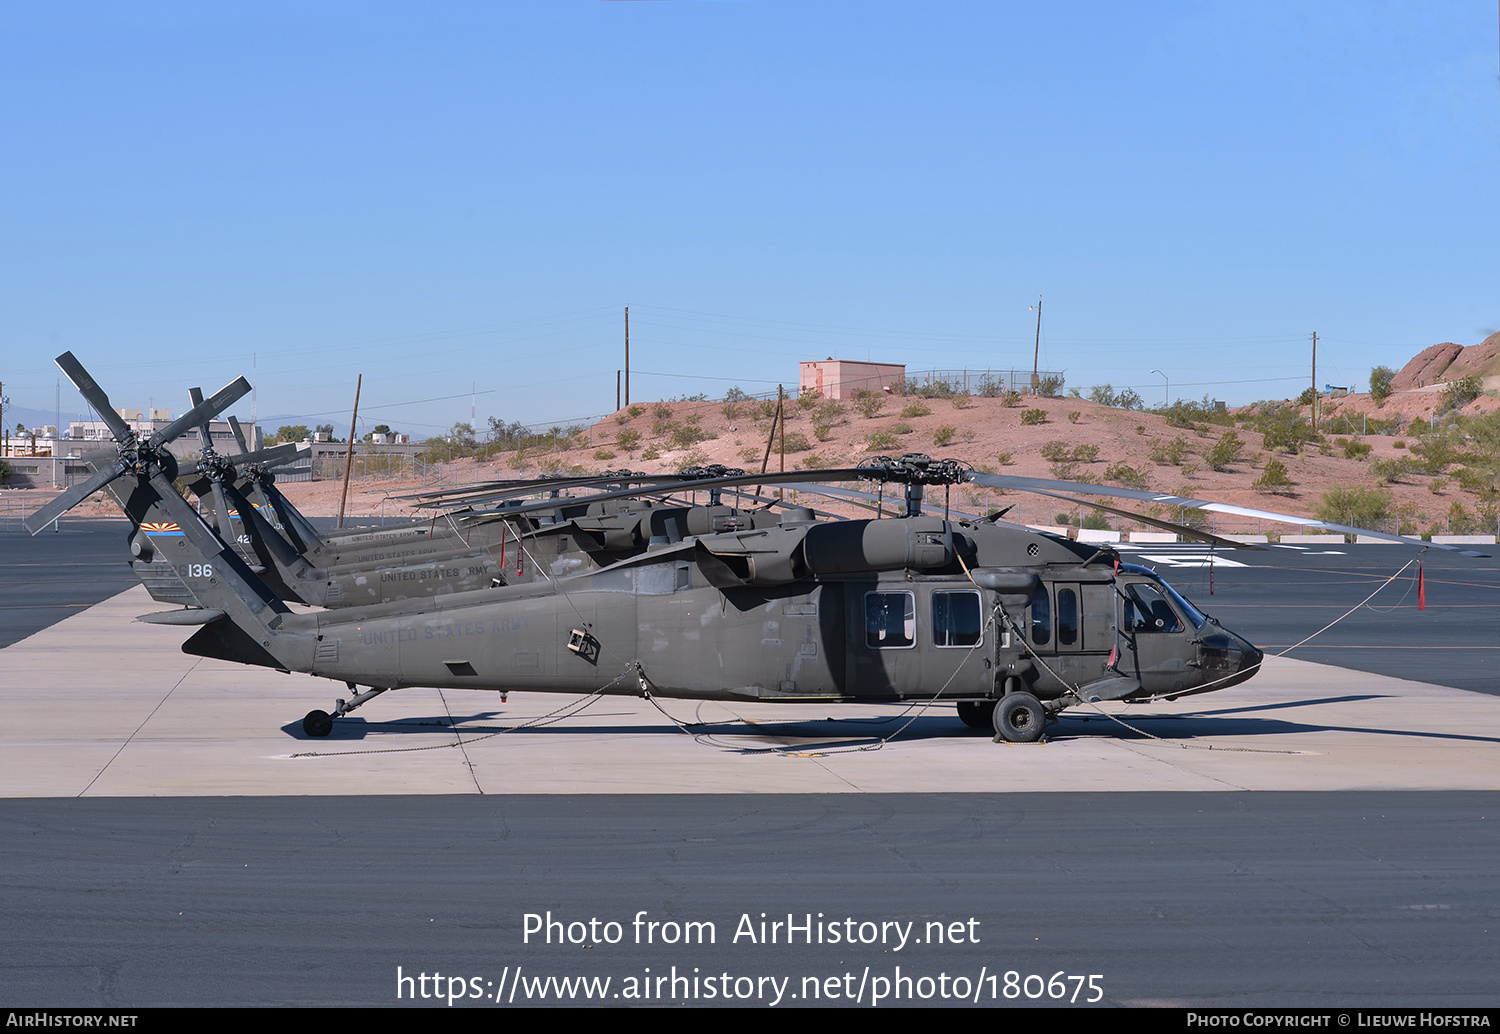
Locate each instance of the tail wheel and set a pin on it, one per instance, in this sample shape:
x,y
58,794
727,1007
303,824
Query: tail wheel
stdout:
x,y
977,714
1020,718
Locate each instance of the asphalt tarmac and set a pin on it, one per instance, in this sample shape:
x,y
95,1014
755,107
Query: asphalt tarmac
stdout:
x,y
167,840
45,578
1204,899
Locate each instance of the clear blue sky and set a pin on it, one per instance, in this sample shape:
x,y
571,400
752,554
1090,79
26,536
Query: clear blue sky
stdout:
x,y
444,195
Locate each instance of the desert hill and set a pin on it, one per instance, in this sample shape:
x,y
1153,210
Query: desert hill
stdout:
x,y
1068,438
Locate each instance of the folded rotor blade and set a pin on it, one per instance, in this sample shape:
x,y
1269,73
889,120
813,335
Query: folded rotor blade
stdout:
x,y
239,435
72,497
93,394
202,413
1043,486
276,456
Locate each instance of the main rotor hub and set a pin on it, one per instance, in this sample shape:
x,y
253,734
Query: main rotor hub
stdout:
x,y
216,468
915,468
713,470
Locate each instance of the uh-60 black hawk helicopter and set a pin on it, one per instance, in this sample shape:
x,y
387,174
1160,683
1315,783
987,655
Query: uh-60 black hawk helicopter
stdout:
x,y
1011,624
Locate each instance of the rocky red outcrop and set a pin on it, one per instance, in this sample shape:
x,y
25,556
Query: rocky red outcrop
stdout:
x,y
1482,360
1427,366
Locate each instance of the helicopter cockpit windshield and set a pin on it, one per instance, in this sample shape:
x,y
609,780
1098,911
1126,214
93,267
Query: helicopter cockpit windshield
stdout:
x,y
1145,603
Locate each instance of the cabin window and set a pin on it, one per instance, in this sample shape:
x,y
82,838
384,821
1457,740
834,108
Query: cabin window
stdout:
x,y
890,620
956,619
1041,616
1067,617
1147,611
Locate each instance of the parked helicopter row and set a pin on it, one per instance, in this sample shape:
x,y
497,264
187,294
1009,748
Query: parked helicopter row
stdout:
x,y
622,591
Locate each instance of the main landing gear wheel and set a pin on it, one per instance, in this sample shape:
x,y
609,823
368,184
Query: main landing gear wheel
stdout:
x,y
977,714
1020,718
317,723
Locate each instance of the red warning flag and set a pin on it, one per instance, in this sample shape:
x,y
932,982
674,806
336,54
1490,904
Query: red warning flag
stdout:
x,y
1421,589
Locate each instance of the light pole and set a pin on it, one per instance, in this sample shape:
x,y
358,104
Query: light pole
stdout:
x,y
1168,395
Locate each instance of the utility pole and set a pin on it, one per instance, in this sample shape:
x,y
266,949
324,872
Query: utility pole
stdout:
x,y
617,391
349,456
1315,382
627,355
1036,382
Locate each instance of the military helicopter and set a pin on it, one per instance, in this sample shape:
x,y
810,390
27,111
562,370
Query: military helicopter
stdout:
x,y
1011,624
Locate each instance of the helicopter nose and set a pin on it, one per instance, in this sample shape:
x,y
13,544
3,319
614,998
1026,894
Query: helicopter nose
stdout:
x,y
1229,658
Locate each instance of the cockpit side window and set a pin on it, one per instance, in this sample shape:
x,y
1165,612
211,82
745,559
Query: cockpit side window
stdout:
x,y
1146,610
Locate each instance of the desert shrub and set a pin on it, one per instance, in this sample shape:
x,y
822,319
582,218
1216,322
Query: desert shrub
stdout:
x,y
1010,399
1458,394
914,410
901,429
1124,474
635,410
1437,451
1392,470
812,461
962,400
1003,458
1034,416
1358,507
687,435
731,411
628,439
829,411
944,435
1125,398
1049,385
1274,479
662,411
1225,452
1169,454
869,403
879,441
796,441
1354,450
650,453
1284,430
1380,384
1186,413
1073,415
603,454
1461,521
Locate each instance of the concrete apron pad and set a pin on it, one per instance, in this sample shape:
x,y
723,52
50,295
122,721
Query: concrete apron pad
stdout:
x,y
102,705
